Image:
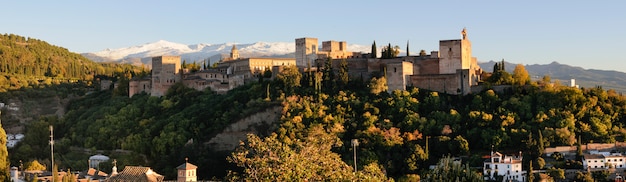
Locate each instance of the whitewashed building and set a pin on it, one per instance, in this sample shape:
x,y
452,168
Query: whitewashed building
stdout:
x,y
509,167
603,160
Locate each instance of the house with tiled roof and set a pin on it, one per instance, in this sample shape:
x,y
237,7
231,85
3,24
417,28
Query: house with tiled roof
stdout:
x,y
187,172
136,174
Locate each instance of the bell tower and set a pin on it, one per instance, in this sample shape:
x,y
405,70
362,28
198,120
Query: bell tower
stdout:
x,y
234,53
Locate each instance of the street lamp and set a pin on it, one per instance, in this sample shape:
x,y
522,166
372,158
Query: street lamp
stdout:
x,y
355,143
51,147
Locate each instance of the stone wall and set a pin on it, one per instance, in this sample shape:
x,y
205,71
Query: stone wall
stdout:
x,y
260,122
444,83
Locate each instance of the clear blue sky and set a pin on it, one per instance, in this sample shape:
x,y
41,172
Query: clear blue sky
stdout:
x,y
588,34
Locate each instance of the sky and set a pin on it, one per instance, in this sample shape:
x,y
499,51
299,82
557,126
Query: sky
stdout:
x,y
586,34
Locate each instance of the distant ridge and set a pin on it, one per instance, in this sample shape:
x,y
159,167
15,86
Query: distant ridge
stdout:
x,y
197,52
584,77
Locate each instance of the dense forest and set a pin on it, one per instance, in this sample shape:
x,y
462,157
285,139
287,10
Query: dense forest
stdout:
x,y
29,62
400,133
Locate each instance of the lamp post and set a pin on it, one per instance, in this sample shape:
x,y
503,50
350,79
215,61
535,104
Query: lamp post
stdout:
x,y
355,143
51,147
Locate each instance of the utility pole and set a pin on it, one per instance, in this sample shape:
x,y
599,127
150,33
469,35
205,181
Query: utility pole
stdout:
x,y
52,147
355,143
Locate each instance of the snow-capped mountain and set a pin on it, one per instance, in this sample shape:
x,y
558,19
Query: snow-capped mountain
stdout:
x,y
197,52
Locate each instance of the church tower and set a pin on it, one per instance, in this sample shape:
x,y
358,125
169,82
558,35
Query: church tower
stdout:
x,y
234,53
187,172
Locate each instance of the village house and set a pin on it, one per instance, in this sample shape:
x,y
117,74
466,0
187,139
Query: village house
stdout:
x,y
509,167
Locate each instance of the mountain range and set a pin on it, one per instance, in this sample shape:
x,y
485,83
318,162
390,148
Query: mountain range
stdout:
x,y
565,73
141,54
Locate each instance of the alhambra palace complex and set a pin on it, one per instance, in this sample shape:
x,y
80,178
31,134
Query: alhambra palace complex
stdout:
x,y
450,70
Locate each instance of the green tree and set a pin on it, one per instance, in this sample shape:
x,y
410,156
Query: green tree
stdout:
x,y
310,159
422,52
290,77
520,75
342,75
378,85
540,142
448,170
556,173
69,177
34,166
55,173
601,175
583,177
374,51
407,48
4,154
539,163
531,175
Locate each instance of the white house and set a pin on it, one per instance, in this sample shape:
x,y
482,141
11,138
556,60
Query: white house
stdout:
x,y
604,160
509,167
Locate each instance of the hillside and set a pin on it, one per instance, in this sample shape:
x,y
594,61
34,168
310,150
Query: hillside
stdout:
x,y
584,77
28,62
392,128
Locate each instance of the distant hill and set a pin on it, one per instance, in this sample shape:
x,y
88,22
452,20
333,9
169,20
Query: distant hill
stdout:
x,y
28,61
141,54
584,77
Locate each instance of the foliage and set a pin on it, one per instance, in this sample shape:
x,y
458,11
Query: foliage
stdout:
x,y
289,77
556,174
583,176
378,85
389,52
601,175
311,159
520,75
400,132
34,166
374,52
539,163
448,170
4,155
29,62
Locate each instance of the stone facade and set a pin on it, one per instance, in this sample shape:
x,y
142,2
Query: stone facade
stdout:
x,y
450,70
229,74
398,75
306,51
165,73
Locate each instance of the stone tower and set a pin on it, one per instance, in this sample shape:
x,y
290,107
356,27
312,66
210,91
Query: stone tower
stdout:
x,y
165,73
234,53
455,54
187,172
306,51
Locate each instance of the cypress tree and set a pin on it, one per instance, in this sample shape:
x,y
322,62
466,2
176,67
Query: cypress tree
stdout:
x,y
540,144
374,50
496,67
407,48
531,177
